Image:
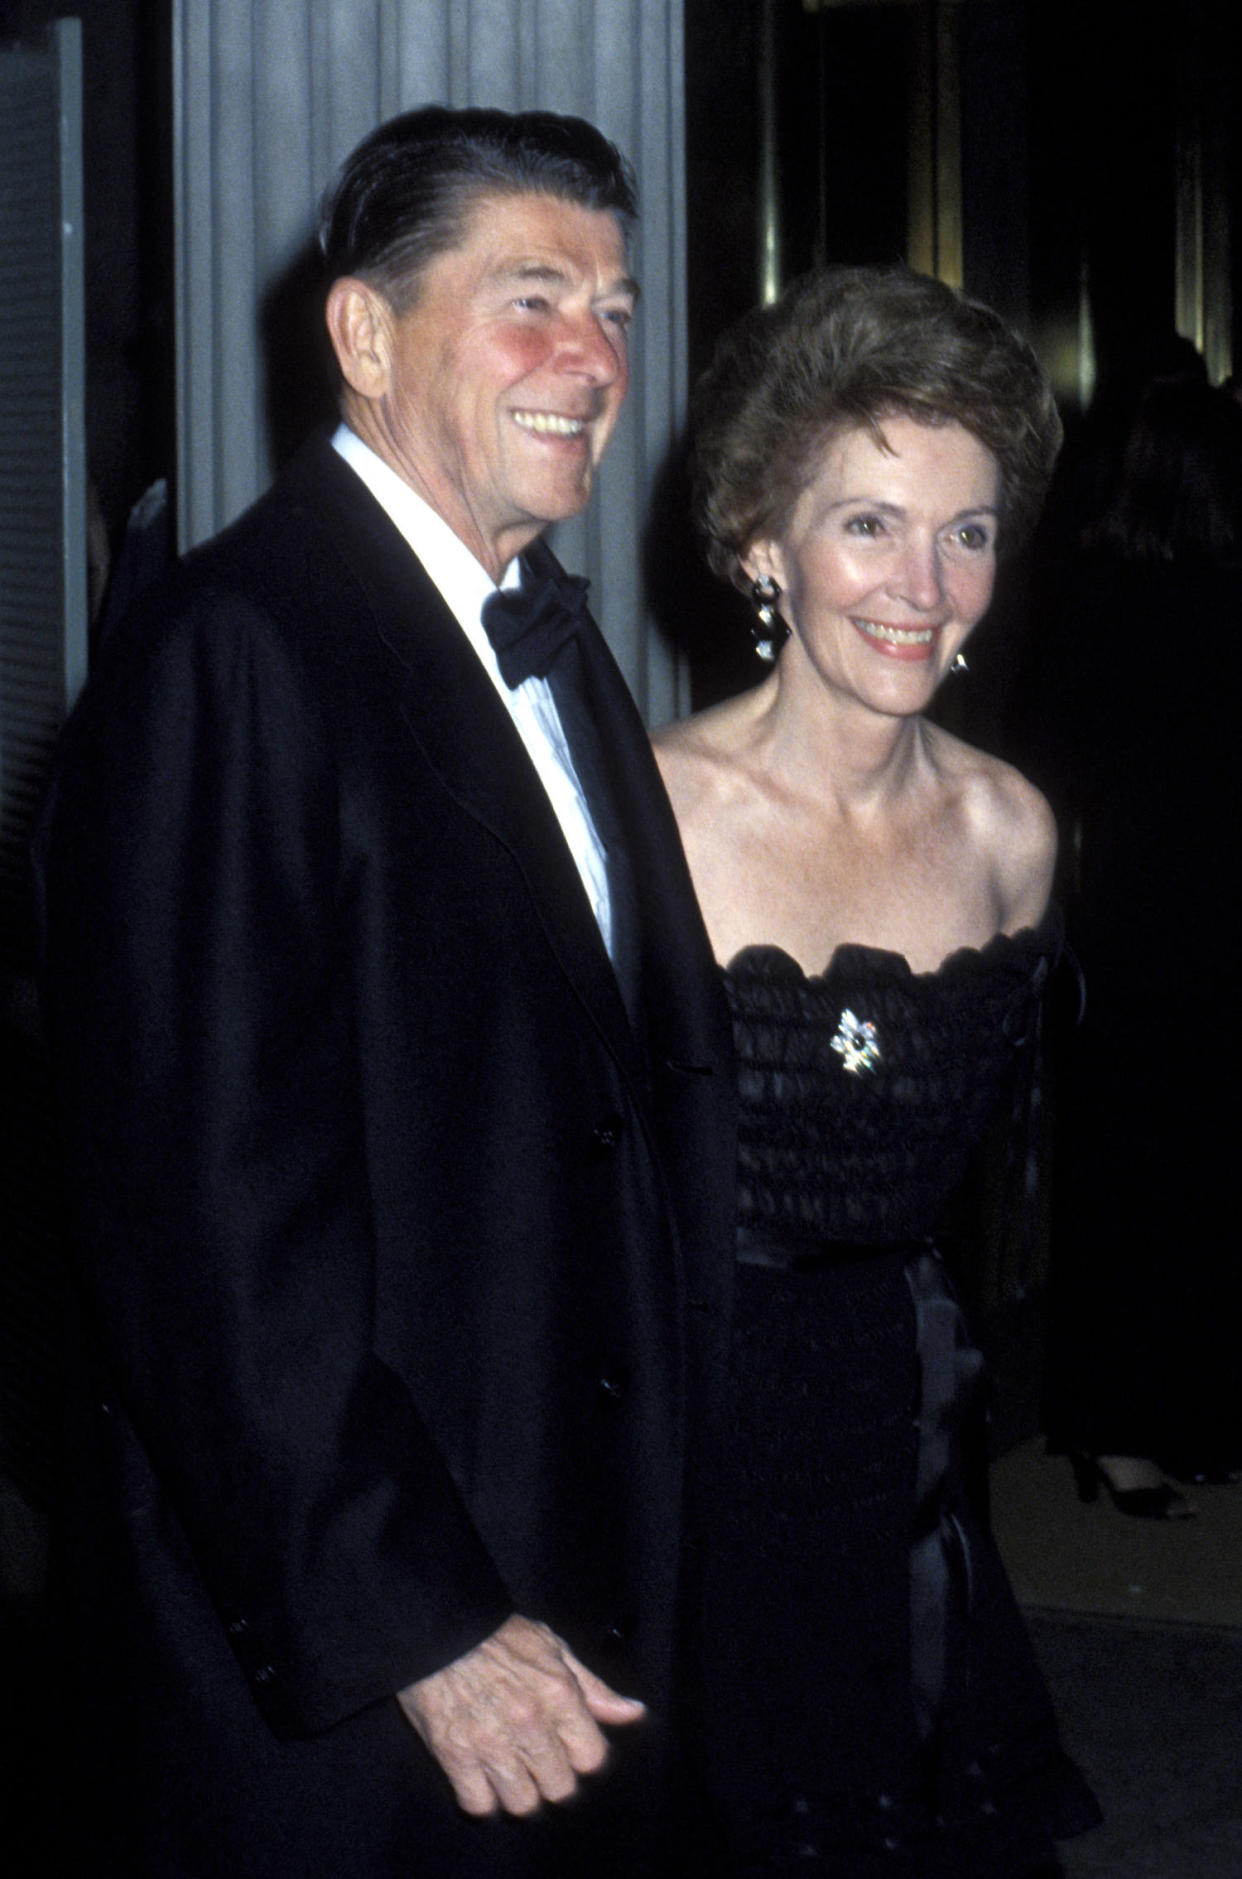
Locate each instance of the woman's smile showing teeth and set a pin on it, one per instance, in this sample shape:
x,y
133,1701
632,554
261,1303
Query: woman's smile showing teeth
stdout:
x,y
901,642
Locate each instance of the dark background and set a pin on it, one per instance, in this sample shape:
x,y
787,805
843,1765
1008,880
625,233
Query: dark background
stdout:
x,y
1070,116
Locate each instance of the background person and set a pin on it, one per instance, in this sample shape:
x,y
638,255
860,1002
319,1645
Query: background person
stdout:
x,y
1132,720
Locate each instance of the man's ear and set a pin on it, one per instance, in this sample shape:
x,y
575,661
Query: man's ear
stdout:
x,y
359,326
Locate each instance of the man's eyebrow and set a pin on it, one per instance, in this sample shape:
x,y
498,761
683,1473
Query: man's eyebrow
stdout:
x,y
531,271
544,271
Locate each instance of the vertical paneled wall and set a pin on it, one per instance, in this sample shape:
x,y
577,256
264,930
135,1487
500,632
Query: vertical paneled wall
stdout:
x,y
42,439
42,664
271,94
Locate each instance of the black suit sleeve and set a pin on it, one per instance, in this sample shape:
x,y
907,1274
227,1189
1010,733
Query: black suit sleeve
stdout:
x,y
199,988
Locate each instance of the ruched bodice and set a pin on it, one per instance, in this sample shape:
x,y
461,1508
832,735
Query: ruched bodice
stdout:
x,y
865,1089
870,1702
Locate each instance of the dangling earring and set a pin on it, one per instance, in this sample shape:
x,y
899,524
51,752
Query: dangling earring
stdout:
x,y
771,632
959,664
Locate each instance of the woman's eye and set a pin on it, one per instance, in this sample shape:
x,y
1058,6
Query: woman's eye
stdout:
x,y
972,536
868,526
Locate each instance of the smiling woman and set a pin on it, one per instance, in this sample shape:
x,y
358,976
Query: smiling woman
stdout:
x,y
877,896
863,451
889,551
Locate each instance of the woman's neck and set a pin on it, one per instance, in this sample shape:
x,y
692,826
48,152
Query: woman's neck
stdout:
x,y
817,742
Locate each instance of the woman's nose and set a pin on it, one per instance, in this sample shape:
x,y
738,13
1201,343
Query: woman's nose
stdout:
x,y
918,578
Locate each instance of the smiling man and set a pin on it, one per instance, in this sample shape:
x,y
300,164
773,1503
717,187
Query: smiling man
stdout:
x,y
494,394
396,1104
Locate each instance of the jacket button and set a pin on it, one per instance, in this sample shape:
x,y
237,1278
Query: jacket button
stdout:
x,y
611,1389
264,1674
235,1627
607,1134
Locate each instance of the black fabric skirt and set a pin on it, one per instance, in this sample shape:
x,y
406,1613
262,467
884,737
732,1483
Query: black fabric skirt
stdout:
x,y
823,1746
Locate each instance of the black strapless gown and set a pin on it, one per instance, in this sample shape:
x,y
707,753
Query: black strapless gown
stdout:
x,y
870,1705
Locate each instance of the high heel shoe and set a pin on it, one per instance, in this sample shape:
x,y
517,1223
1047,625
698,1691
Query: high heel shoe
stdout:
x,y
1154,1503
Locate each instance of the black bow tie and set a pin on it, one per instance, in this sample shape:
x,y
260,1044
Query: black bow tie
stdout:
x,y
528,625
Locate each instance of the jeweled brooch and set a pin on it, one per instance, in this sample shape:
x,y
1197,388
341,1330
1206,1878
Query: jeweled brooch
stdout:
x,y
856,1043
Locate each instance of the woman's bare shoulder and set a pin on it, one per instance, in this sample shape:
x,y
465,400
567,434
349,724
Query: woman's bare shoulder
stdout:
x,y
1011,822
704,733
697,755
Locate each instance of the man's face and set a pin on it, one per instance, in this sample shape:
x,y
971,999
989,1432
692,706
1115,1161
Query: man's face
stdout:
x,y
505,377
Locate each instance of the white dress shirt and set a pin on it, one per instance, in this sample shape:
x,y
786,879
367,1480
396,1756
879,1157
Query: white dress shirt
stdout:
x,y
465,585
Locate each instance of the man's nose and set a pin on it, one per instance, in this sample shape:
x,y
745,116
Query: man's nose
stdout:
x,y
594,349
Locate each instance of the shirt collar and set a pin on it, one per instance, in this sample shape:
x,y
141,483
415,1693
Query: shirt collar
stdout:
x,y
462,579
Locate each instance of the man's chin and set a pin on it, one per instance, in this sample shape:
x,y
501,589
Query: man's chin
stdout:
x,y
563,505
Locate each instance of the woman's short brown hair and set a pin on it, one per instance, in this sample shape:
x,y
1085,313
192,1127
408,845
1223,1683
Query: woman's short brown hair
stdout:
x,y
847,347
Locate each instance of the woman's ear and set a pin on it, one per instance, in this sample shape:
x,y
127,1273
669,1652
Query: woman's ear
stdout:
x,y
359,326
763,561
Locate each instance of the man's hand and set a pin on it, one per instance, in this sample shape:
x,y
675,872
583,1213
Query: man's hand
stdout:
x,y
514,1722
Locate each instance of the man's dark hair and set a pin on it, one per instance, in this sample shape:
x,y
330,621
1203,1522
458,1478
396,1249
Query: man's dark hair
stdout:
x,y
404,195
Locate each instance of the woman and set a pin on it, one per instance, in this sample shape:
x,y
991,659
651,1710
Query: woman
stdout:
x,y
877,894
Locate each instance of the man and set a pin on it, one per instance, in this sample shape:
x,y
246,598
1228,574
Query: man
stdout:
x,y
396,1102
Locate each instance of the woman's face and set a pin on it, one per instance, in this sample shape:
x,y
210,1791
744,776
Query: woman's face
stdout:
x,y
888,560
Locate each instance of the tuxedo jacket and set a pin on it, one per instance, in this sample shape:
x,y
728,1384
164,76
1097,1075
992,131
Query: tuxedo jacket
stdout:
x,y
403,1252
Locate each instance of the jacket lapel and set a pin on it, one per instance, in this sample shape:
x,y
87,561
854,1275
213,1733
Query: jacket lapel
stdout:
x,y
452,711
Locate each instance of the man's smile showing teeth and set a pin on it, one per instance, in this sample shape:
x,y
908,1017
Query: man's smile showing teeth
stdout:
x,y
549,424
